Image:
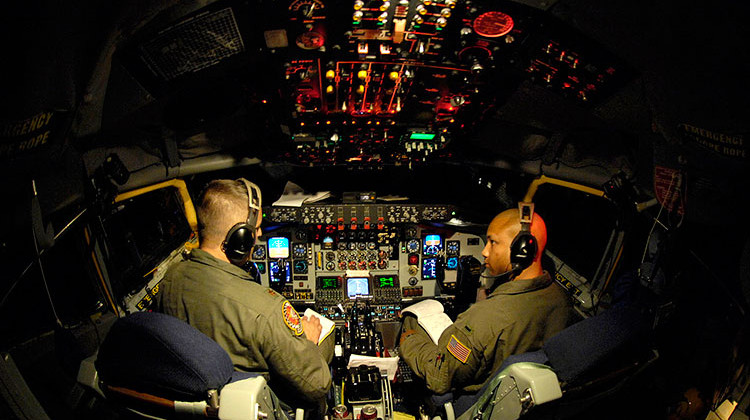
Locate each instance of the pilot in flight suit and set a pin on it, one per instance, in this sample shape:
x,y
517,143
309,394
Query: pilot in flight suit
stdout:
x,y
259,329
518,316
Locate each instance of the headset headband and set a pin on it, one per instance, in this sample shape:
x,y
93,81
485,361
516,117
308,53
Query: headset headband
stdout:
x,y
254,199
526,215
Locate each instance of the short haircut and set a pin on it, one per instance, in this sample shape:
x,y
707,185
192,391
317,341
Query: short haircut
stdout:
x,y
223,203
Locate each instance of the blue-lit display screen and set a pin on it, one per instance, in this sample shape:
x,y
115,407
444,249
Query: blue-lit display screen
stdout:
x,y
327,242
278,247
357,286
429,268
279,274
432,245
451,263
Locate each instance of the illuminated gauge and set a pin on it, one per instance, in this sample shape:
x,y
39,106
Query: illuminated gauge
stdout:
x,y
361,245
493,24
382,264
301,235
362,265
453,248
310,40
411,232
372,265
306,7
330,266
352,265
412,281
372,245
259,252
352,246
383,255
300,267
413,270
412,246
300,250
451,263
342,265
342,246
330,256
261,266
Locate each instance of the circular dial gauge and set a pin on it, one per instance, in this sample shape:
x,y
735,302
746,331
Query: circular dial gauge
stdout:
x,y
412,245
300,267
300,251
493,24
259,252
306,7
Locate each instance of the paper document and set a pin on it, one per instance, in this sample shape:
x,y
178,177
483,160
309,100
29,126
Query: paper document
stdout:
x,y
294,196
325,323
387,365
431,316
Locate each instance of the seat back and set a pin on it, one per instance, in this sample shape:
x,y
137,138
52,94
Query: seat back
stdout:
x,y
576,354
594,343
158,354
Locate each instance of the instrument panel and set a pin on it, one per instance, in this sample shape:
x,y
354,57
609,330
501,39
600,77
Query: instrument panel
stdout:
x,y
373,82
332,256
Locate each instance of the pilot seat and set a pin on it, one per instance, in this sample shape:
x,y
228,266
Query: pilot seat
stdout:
x,y
158,366
575,368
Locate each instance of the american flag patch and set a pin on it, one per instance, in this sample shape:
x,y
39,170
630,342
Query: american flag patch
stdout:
x,y
458,350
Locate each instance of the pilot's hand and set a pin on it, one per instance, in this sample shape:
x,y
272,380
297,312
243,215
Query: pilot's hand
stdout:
x,y
312,327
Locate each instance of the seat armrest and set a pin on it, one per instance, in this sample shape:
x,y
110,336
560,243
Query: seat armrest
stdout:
x,y
249,399
514,391
88,376
537,384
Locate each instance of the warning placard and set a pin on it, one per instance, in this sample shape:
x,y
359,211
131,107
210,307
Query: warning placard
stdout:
x,y
669,187
17,137
729,145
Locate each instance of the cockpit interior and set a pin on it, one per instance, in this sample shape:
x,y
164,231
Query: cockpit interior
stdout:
x,y
384,135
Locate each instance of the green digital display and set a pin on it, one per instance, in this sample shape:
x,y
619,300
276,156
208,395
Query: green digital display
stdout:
x,y
421,136
386,281
328,282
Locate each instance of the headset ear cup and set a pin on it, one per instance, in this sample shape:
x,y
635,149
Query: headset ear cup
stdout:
x,y
522,250
238,243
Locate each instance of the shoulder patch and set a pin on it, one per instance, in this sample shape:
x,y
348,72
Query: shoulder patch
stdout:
x,y
458,349
291,318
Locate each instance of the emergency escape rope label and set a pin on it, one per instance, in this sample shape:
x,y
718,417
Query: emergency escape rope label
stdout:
x,y
729,145
22,136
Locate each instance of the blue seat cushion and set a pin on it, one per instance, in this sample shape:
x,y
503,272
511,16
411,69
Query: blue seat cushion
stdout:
x,y
161,355
580,348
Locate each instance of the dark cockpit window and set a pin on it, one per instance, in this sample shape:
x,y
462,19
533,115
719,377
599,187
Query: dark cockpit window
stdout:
x,y
579,226
141,233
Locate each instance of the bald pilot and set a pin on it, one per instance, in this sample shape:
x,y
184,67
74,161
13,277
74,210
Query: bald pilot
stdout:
x,y
524,307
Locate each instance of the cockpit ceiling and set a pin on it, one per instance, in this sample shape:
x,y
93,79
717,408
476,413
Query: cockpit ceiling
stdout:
x,y
373,82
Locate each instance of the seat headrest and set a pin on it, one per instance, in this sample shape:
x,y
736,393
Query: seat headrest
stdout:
x,y
161,355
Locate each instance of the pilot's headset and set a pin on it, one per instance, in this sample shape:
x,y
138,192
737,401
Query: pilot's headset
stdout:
x,y
523,248
240,239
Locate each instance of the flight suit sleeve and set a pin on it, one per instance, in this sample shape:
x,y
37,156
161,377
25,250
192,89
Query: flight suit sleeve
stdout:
x,y
327,347
450,364
294,358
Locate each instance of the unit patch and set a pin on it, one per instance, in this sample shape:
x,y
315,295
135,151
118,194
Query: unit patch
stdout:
x,y
291,318
458,350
